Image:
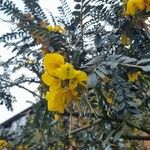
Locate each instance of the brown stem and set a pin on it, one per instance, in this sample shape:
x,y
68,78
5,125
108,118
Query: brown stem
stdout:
x,y
85,127
127,137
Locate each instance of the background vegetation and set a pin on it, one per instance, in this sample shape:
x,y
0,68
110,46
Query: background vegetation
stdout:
x,y
108,43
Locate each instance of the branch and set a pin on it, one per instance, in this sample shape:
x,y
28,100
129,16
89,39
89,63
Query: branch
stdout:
x,y
132,137
85,127
8,21
87,101
20,86
127,137
132,66
139,128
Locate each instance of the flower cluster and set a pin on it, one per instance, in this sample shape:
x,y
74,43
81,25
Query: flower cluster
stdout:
x,y
134,76
63,81
137,5
40,39
3,144
55,28
23,147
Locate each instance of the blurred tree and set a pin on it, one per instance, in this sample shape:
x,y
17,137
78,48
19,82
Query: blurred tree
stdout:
x,y
105,39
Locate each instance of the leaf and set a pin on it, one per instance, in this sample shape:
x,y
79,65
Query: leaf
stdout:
x,y
135,112
146,68
131,103
109,136
121,106
99,73
94,61
77,0
86,3
118,135
113,65
102,69
76,13
120,97
77,6
143,62
129,60
87,10
125,59
97,40
92,80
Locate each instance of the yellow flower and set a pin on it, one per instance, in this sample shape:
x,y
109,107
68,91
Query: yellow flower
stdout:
x,y
50,28
52,62
62,80
109,95
134,76
147,3
3,144
58,29
57,117
54,83
140,4
81,77
55,28
137,5
23,147
124,39
133,6
65,72
54,101
109,100
58,100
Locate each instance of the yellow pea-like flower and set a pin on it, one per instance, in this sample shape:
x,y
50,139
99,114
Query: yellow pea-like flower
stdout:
x,y
57,117
62,80
65,72
23,147
3,144
59,29
56,28
134,6
52,62
54,83
58,100
134,76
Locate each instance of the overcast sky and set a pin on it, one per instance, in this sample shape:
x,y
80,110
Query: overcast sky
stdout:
x,y
21,95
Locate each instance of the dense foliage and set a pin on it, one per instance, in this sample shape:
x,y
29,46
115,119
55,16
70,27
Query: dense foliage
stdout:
x,y
96,68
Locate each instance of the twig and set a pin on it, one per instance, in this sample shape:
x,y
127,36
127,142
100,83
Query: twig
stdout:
x,y
132,137
87,101
127,137
8,21
20,86
133,66
70,126
139,128
85,127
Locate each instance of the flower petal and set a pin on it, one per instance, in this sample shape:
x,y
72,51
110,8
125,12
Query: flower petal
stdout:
x,y
54,83
52,62
65,72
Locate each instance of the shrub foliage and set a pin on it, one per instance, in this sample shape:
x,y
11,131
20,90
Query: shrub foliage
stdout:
x,y
103,38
